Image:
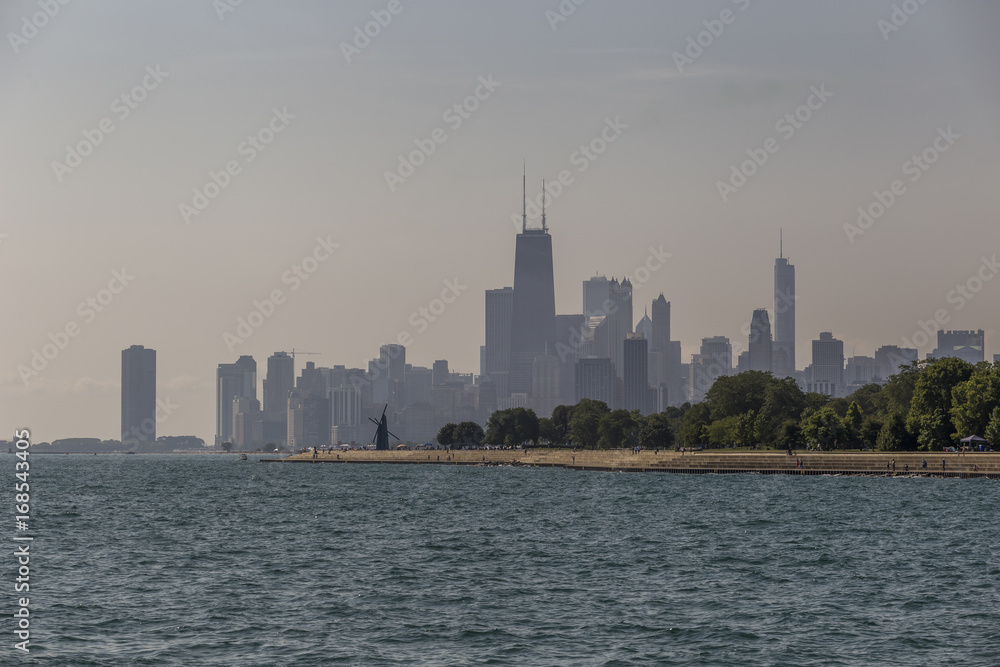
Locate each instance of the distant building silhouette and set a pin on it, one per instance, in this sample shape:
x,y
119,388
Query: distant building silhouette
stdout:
x,y
138,397
637,394
783,360
890,358
660,358
533,309
595,379
309,410
496,362
714,360
278,383
966,345
826,373
232,381
760,341
545,384
568,348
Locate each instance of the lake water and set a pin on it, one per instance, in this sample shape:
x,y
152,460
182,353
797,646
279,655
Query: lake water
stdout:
x,y
203,560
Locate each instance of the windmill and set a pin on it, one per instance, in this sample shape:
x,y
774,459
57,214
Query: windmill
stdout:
x,y
382,433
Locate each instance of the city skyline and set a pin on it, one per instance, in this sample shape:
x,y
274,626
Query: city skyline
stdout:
x,y
308,245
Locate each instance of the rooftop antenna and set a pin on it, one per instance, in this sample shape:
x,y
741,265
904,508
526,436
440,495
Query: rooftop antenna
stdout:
x,y
524,198
544,228
781,245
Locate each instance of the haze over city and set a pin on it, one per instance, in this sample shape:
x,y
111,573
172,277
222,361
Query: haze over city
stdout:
x,y
308,132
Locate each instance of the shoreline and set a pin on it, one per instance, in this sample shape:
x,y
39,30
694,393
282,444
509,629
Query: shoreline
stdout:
x,y
907,464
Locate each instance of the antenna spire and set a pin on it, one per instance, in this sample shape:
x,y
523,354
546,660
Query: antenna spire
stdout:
x,y
544,228
524,198
781,244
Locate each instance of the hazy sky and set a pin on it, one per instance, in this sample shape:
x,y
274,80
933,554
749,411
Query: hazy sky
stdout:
x,y
206,84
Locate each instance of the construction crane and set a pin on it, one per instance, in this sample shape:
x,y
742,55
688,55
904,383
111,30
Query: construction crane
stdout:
x,y
293,353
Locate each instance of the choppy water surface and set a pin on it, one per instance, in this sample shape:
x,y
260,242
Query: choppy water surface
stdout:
x,y
202,560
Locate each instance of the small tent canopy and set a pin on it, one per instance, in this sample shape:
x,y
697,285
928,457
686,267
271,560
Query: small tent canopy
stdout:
x,y
974,440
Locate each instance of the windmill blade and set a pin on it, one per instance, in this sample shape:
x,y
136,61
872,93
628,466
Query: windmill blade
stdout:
x,y
384,409
373,421
393,434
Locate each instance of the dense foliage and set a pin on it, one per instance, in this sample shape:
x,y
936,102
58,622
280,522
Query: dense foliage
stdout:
x,y
928,405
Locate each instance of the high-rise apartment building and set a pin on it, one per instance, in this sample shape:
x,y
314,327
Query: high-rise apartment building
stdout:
x,y
138,397
496,361
232,381
760,341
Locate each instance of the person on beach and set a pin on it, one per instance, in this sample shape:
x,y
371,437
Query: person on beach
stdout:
x,y
942,464
924,464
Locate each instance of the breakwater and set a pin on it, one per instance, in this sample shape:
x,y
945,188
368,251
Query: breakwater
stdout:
x,y
955,464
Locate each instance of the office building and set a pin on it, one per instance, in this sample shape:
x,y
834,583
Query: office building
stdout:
x,y
232,381
783,356
966,345
496,362
760,341
138,427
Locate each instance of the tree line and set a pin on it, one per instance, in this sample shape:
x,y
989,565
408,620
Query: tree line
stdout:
x,y
926,406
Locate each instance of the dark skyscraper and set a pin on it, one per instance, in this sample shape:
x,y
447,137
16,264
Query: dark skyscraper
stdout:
x,y
637,394
660,346
533,310
279,381
232,381
760,341
783,359
496,361
138,396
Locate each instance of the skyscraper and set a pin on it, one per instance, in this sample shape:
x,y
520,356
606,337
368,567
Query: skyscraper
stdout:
x,y
760,341
826,373
620,322
783,360
238,380
496,362
596,296
279,381
138,396
637,393
595,379
533,310
660,350
392,362
714,360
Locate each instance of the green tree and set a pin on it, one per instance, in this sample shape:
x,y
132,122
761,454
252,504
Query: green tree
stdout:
x,y
732,395
226,446
446,435
893,437
992,433
467,434
870,399
547,432
617,429
560,421
783,401
744,431
974,400
585,422
789,434
852,425
898,389
693,426
930,408
720,433
870,429
822,427
657,432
